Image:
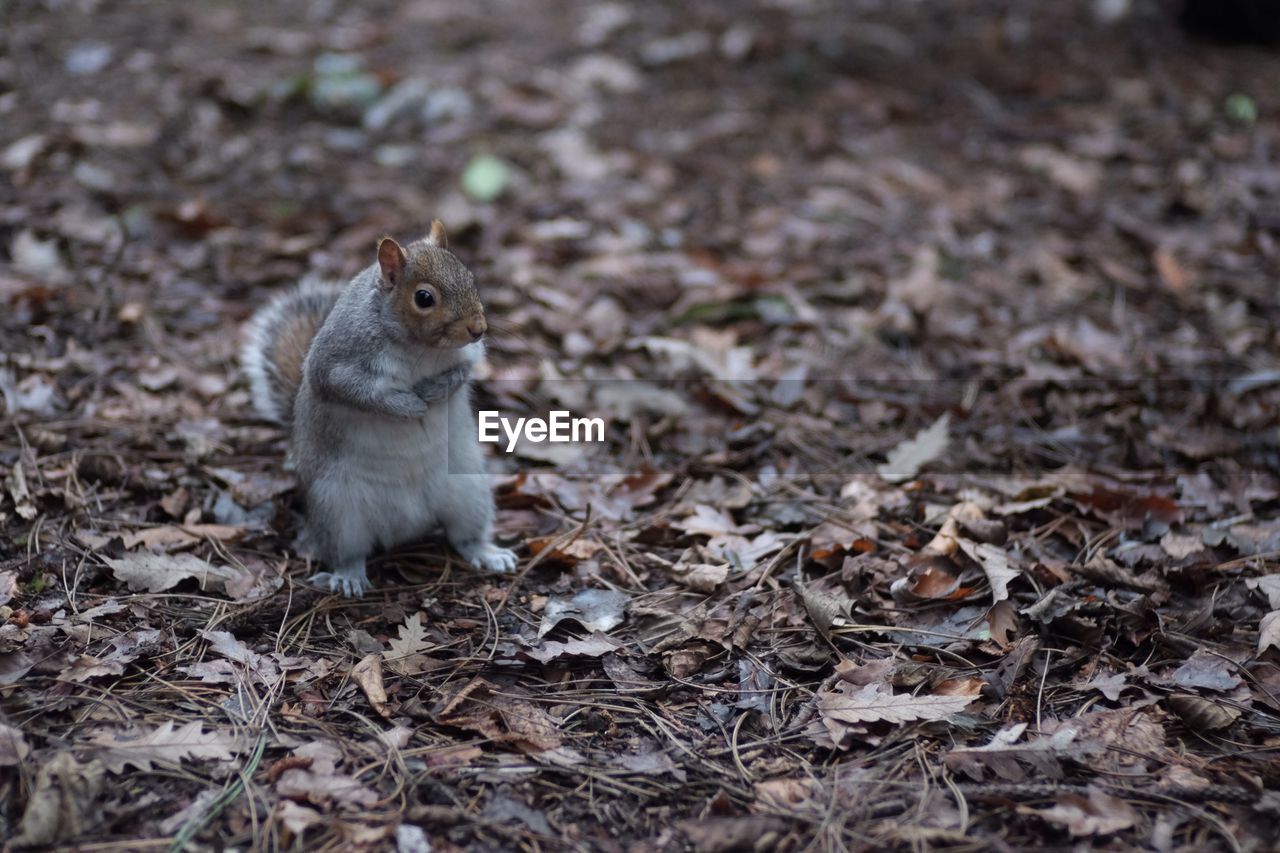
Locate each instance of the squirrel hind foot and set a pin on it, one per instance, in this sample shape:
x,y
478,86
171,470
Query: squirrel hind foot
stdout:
x,y
349,581
491,558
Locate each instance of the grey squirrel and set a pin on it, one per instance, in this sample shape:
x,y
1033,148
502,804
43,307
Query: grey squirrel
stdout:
x,y
371,378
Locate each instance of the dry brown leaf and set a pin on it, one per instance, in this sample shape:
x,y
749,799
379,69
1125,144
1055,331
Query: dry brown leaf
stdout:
x,y
1180,546
868,704
1207,671
1009,759
1269,631
87,666
407,651
175,536
1002,619
368,674
1202,714
13,746
62,805
969,686
8,587
905,461
160,572
165,745
825,608
930,576
994,563
320,782
594,609
504,715
1098,814
592,647
1173,275
701,577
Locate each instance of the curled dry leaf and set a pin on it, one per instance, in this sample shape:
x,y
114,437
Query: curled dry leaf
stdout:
x,y
368,674
930,576
8,587
994,563
1269,631
825,608
1202,714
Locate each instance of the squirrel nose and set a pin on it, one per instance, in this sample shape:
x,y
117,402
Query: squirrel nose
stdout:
x,y
477,328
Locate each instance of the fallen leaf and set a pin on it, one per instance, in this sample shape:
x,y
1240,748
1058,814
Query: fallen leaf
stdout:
x,y
86,667
930,577
1110,686
592,647
869,704
367,673
13,746
407,650
164,744
969,686
701,577
1207,672
1098,814
8,587
319,781
994,563
502,715
1269,631
905,461
1268,585
824,608
176,536
1011,760
713,834
161,572
1202,714
594,609
1180,546
62,805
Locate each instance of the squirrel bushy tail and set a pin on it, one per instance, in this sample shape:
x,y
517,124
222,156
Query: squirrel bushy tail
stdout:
x,y
277,339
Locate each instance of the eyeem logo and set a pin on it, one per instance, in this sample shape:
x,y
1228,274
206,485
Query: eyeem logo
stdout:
x,y
559,427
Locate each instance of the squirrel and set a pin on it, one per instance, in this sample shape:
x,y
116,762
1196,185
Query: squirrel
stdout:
x,y
372,380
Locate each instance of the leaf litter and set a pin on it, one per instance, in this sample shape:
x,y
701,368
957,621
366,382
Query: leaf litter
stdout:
x,y
944,501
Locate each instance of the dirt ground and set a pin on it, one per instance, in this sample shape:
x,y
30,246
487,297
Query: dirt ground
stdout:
x,y
939,508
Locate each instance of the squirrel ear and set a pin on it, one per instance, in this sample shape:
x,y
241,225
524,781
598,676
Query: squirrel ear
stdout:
x,y
391,260
437,235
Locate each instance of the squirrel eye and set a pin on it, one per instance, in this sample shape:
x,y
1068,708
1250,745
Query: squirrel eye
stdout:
x,y
424,299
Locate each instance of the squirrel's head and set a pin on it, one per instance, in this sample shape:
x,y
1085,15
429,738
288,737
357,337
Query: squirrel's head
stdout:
x,y
430,292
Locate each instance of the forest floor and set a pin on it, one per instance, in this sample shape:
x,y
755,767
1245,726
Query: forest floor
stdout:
x,y
940,503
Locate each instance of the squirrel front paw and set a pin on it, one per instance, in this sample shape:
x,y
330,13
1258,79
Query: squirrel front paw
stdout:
x,y
491,558
351,582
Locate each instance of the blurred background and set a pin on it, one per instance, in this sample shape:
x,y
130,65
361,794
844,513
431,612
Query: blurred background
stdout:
x,y
788,188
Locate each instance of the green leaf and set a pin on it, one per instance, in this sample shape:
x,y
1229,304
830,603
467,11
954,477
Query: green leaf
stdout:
x,y
1242,109
485,177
